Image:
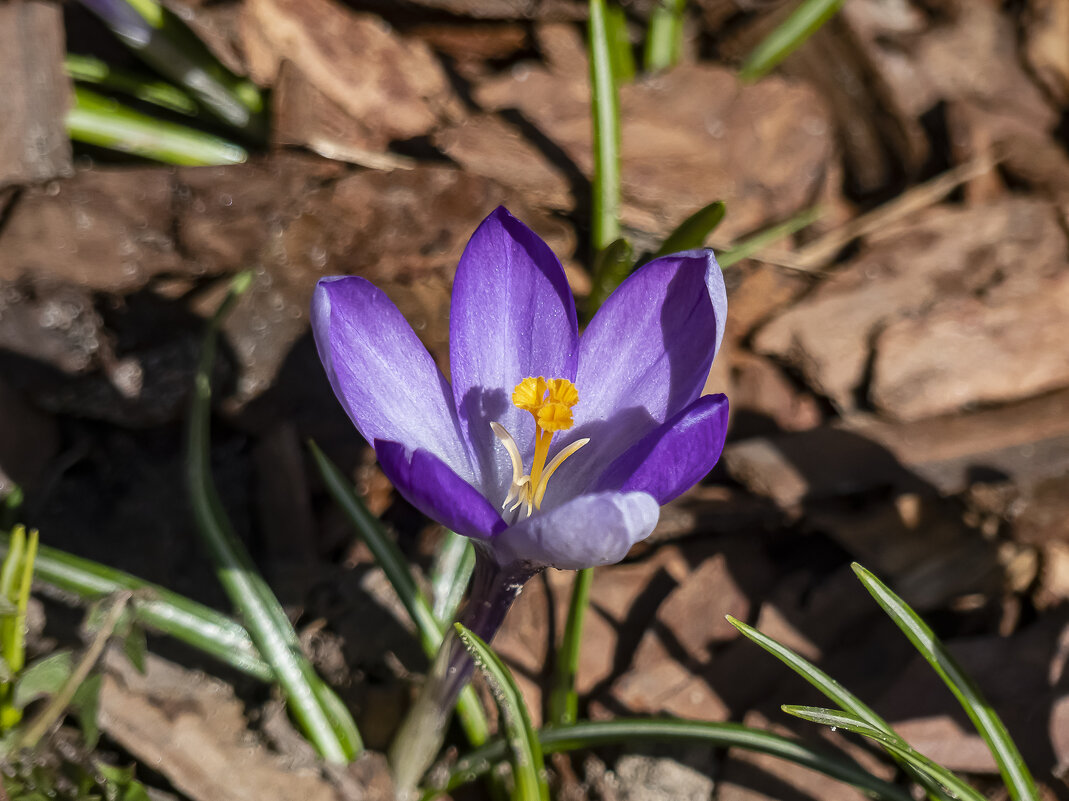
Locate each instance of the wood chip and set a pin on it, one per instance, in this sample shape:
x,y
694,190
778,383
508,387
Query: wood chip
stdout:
x,y
34,93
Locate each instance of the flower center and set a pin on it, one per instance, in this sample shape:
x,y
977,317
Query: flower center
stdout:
x,y
550,403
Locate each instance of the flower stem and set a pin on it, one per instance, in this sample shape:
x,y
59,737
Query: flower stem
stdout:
x,y
493,590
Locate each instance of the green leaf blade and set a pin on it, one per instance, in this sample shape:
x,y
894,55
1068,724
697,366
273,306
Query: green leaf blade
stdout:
x,y
664,37
791,34
454,563
593,734
103,122
1011,764
393,563
693,231
528,766
893,743
328,727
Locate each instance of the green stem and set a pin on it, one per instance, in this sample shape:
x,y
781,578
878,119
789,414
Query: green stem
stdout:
x,y
605,221
563,699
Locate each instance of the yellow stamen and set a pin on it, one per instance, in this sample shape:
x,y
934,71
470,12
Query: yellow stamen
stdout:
x,y
550,403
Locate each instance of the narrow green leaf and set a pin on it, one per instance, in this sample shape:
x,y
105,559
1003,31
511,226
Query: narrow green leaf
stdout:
x,y
959,788
135,646
101,121
814,675
123,785
87,69
9,574
803,22
605,111
664,38
162,610
762,239
17,658
43,678
9,570
86,704
528,768
563,699
454,563
623,58
1011,764
831,689
693,231
612,265
166,44
394,565
591,734
330,728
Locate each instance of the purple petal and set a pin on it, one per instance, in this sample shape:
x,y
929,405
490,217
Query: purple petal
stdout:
x,y
427,483
674,457
645,357
512,316
587,531
382,374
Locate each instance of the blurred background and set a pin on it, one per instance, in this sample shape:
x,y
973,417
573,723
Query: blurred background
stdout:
x,y
896,356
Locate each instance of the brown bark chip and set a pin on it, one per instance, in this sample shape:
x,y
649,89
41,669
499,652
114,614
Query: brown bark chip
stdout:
x,y
391,86
34,93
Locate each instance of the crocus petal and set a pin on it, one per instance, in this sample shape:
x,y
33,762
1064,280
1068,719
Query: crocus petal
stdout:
x,y
382,374
427,483
512,316
674,457
645,356
587,531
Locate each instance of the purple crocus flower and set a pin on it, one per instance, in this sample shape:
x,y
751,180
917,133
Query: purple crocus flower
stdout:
x,y
547,448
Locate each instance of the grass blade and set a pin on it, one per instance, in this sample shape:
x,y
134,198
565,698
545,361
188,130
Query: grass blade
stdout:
x,y
167,612
605,111
693,231
831,689
563,700
451,574
1010,762
803,22
393,564
762,239
87,69
664,38
167,45
101,121
334,736
815,676
896,745
528,768
623,59
592,734
612,265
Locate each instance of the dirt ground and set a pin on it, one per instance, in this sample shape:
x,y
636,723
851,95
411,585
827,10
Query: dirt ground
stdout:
x,y
898,372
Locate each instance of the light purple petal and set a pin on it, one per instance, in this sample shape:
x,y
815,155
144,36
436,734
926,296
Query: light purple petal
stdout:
x,y
382,374
427,483
587,531
674,457
645,357
512,316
